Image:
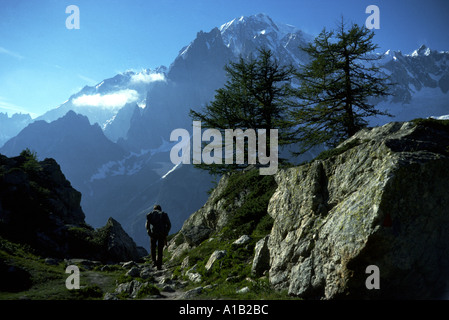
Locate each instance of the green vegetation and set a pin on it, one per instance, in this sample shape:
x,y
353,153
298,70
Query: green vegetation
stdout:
x,y
246,197
330,104
337,151
251,216
46,281
230,273
88,292
335,86
148,289
432,123
31,163
259,289
254,97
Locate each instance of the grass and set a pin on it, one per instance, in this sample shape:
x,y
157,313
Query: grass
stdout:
x,y
252,214
148,289
258,290
47,282
230,273
246,195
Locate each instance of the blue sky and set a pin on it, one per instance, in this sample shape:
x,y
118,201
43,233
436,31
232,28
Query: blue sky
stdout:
x,y
42,62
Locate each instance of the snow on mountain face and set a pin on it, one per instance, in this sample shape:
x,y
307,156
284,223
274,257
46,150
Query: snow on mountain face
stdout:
x,y
246,34
199,69
420,69
198,72
421,78
101,103
421,85
132,163
128,80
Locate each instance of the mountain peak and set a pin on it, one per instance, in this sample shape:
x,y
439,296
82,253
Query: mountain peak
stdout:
x,y
260,18
245,34
259,23
423,50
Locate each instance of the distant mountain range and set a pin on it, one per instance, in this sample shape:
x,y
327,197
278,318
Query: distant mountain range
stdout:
x,y
421,84
11,126
112,139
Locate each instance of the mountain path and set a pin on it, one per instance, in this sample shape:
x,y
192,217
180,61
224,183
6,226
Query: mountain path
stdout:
x,y
170,289
141,274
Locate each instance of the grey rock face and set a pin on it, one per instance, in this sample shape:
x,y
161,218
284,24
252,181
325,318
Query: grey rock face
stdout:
x,y
261,262
383,202
242,240
212,216
217,255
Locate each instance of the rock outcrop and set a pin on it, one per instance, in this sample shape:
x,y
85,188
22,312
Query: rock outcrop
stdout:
x,y
261,261
211,217
40,208
379,199
119,246
235,208
373,210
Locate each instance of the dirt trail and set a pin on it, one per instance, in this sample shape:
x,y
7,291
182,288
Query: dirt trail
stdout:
x,y
170,289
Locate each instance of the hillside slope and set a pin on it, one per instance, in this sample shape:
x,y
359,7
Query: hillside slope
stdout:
x,y
379,199
39,208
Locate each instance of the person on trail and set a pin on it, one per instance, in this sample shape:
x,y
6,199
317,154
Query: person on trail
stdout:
x,y
158,225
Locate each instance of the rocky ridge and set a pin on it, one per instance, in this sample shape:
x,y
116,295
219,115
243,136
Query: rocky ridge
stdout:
x,y
40,208
379,199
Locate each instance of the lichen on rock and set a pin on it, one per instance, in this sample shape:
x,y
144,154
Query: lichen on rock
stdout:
x,y
330,217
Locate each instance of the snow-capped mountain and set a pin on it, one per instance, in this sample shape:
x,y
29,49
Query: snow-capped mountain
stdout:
x,y
112,102
245,35
421,84
423,68
198,71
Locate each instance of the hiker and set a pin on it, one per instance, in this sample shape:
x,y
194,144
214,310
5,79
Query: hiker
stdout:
x,y
158,225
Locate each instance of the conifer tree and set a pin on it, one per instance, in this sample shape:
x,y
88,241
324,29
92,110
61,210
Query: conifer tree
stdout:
x,y
335,86
254,97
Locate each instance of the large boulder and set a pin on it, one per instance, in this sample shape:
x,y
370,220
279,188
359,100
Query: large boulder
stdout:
x,y
216,255
261,261
379,199
117,244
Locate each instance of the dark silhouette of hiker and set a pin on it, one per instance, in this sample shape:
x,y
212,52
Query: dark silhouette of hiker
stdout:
x,y
158,225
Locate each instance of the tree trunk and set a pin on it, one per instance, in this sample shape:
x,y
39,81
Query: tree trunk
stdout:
x,y
349,119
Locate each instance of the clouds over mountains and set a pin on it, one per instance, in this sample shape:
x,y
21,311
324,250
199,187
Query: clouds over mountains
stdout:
x,y
120,97
110,100
142,77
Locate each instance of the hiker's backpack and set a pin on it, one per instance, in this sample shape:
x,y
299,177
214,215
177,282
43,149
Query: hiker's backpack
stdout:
x,y
157,220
